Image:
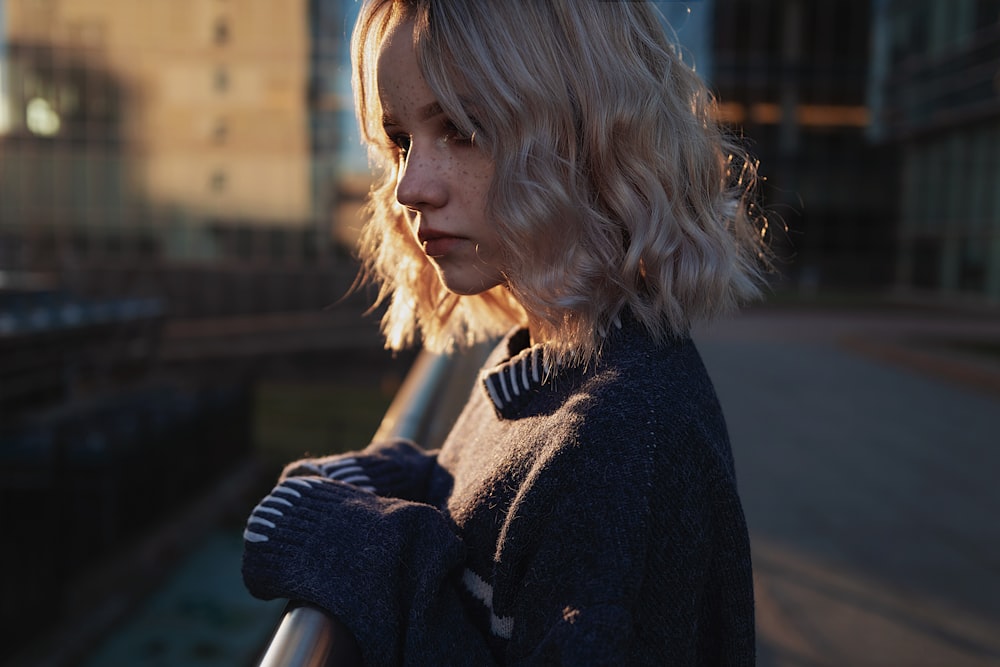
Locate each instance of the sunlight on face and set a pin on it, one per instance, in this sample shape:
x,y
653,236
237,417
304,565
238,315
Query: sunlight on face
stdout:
x,y
443,176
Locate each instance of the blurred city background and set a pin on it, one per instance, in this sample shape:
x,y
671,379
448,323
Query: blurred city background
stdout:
x,y
180,182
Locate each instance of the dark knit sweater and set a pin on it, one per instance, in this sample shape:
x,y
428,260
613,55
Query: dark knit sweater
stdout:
x,y
585,517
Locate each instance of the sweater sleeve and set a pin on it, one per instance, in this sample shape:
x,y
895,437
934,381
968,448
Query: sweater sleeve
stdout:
x,y
575,591
386,567
393,468
396,574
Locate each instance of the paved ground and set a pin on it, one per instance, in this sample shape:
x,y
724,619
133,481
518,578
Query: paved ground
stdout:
x,y
868,468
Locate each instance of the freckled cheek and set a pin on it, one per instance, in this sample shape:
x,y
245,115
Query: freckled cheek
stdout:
x,y
478,176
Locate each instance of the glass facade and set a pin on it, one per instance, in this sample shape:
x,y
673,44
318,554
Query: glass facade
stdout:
x,y
936,94
792,78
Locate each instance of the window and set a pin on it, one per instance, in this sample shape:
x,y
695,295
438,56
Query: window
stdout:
x,y
221,79
221,31
217,181
220,131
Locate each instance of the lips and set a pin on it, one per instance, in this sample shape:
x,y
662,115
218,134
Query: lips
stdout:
x,y
436,243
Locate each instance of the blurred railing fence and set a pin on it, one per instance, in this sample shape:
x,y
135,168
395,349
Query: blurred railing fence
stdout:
x,y
96,446
423,410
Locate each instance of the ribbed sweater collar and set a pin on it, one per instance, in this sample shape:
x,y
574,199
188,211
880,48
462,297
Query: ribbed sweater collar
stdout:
x,y
511,383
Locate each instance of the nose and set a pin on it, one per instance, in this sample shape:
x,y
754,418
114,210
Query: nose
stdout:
x,y
422,181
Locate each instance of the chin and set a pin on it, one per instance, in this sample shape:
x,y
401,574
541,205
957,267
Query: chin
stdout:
x,y
466,287
464,279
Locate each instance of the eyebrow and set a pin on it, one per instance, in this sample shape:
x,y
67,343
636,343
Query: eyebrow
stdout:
x,y
425,112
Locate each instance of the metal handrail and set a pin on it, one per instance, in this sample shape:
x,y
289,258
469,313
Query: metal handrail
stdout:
x,y
308,637
421,409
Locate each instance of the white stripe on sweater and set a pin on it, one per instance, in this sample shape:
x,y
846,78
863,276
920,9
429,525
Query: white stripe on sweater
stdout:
x,y
503,385
520,374
513,380
494,396
271,510
501,626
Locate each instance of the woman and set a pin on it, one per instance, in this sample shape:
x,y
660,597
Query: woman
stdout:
x,y
549,168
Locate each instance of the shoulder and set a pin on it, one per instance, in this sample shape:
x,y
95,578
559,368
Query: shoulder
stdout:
x,y
634,367
662,385
639,400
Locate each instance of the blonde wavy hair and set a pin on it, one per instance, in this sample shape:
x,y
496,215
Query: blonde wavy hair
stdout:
x,y
615,190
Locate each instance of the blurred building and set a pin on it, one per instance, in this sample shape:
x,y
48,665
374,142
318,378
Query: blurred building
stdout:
x,y
170,133
792,78
158,159
935,88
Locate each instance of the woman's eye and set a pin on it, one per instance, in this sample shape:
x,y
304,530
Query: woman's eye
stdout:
x,y
454,135
401,142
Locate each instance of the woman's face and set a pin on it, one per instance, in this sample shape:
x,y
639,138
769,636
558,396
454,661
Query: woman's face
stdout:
x,y
443,176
